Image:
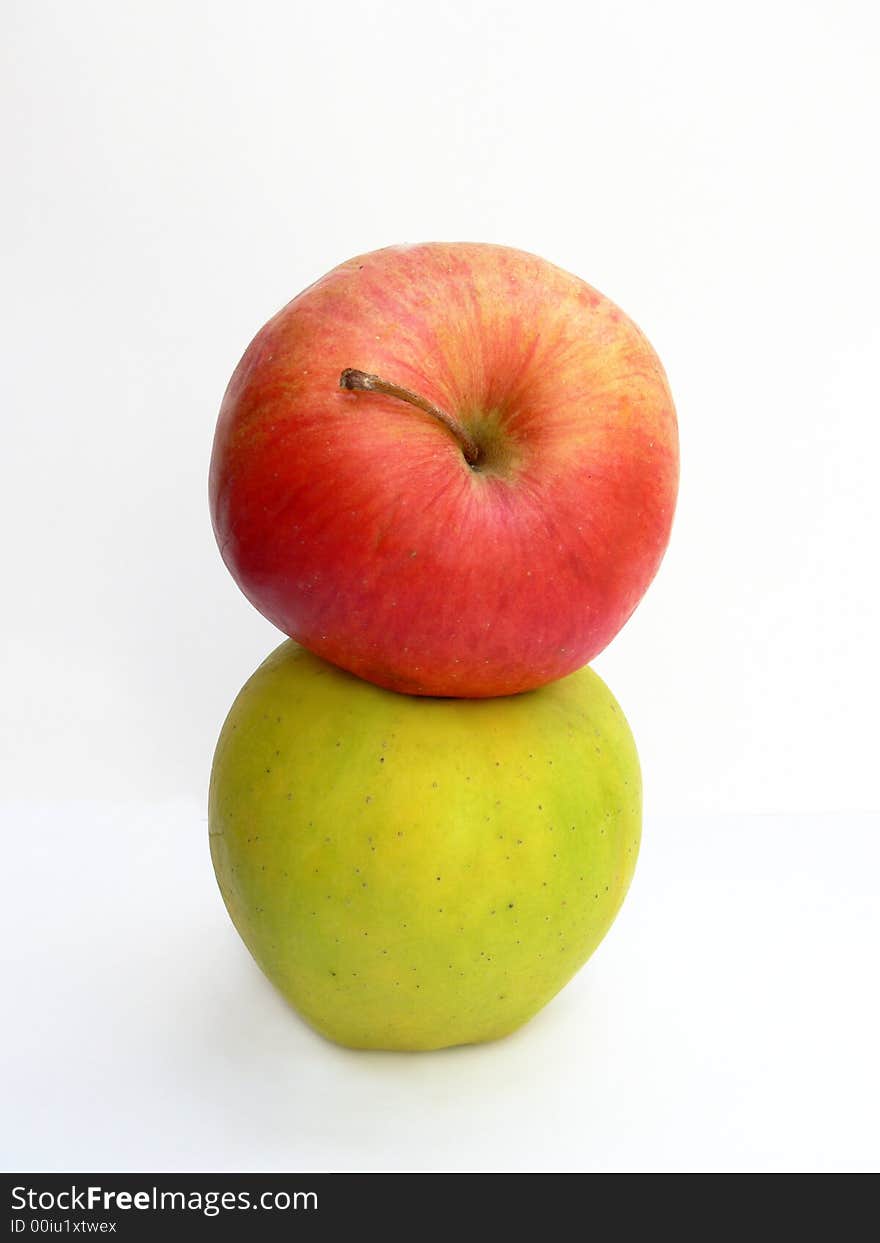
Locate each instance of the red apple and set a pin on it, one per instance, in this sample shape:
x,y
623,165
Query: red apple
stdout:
x,y
449,468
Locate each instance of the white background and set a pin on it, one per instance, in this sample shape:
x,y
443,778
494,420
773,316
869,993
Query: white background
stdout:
x,y
174,173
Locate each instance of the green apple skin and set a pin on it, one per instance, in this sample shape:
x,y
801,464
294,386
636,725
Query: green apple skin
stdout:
x,y
414,873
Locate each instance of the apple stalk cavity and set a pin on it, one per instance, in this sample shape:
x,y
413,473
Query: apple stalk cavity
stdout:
x,y
360,381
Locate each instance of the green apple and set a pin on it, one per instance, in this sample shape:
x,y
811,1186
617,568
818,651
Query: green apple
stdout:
x,y
413,873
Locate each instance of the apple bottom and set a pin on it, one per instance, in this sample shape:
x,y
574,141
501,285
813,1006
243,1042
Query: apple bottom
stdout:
x,y
418,873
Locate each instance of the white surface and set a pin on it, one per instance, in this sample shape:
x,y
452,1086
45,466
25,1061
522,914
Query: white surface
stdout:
x,y
173,174
729,1021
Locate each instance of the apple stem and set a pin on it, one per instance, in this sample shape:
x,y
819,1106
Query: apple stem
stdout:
x,y
363,382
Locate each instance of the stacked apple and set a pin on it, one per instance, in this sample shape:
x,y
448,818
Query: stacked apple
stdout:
x,y
448,473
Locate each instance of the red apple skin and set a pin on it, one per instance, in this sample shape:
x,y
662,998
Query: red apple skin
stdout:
x,y
353,521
